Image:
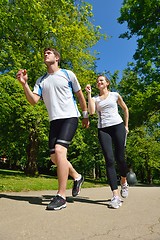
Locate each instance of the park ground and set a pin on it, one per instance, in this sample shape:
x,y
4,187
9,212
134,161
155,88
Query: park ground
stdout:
x,y
87,217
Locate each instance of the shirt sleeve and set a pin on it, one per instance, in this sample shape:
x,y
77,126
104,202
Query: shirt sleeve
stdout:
x,y
75,83
38,88
116,95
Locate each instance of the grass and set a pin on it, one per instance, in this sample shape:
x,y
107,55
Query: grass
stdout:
x,y
17,181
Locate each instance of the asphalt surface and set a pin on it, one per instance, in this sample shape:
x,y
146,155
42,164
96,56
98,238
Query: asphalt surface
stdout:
x,y
87,217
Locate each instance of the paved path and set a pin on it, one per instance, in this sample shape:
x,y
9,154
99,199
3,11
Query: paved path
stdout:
x,y
87,217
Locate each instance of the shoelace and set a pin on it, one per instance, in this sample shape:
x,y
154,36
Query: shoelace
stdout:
x,y
115,198
125,187
54,199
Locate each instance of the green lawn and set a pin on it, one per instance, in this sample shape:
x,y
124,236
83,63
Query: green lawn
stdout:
x,y
16,181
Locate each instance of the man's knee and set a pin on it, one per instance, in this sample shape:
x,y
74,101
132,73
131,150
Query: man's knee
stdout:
x,y
60,151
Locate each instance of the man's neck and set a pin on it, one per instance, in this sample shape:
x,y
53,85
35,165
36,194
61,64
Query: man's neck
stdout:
x,y
52,69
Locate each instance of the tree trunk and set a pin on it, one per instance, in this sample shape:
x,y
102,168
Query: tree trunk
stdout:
x,y
149,176
97,171
31,166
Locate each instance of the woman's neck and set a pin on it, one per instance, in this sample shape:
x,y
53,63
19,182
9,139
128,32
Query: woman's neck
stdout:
x,y
104,92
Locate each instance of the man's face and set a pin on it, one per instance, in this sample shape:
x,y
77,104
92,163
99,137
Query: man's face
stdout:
x,y
49,57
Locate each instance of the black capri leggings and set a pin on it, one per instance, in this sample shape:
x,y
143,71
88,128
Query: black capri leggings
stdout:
x,y
109,136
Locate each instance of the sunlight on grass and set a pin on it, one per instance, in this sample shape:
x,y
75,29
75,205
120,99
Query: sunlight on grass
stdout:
x,y
16,181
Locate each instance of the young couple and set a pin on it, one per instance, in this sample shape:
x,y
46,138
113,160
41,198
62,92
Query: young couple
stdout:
x,y
57,88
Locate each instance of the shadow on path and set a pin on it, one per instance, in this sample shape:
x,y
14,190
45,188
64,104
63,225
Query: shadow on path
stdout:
x,y
44,199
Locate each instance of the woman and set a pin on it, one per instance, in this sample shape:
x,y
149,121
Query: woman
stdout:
x,y
111,131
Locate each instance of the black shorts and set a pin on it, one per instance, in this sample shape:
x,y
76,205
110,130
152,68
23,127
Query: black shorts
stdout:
x,y
61,132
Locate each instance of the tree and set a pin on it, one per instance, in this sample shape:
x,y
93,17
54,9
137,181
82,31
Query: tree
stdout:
x,y
17,119
27,27
143,151
140,84
142,17
38,24
143,100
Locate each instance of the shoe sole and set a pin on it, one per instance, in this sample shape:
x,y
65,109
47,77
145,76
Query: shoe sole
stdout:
x,y
57,208
111,206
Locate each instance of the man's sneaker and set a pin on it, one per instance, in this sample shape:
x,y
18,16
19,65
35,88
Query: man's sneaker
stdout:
x,y
77,186
115,202
56,203
124,190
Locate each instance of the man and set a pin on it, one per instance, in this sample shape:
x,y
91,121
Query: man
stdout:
x,y
56,89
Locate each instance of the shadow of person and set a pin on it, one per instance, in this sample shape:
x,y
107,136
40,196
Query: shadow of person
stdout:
x,y
30,199
71,199
44,199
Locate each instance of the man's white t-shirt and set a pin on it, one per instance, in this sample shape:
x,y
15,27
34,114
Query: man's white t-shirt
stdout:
x,y
56,90
107,110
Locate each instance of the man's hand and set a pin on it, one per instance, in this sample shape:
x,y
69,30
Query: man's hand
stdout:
x,y
22,76
85,122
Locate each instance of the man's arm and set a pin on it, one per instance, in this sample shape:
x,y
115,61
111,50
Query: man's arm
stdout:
x,y
22,78
31,97
83,105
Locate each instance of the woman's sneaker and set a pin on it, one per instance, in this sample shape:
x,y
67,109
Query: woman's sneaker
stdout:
x,y
56,203
115,202
124,190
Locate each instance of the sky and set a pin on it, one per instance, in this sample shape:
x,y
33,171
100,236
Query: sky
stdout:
x,y
116,52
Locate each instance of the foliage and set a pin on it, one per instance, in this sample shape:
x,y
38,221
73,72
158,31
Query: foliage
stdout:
x,y
142,17
140,83
142,78
142,99
140,86
144,150
17,119
27,27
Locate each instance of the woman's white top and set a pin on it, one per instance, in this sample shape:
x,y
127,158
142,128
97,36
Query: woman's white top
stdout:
x,y
107,110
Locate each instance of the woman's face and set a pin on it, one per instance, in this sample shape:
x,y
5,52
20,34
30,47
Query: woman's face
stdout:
x,y
101,82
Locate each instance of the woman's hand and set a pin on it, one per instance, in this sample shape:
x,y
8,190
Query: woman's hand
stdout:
x,y
127,130
88,88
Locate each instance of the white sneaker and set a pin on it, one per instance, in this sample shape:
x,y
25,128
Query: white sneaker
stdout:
x,y
124,190
115,202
